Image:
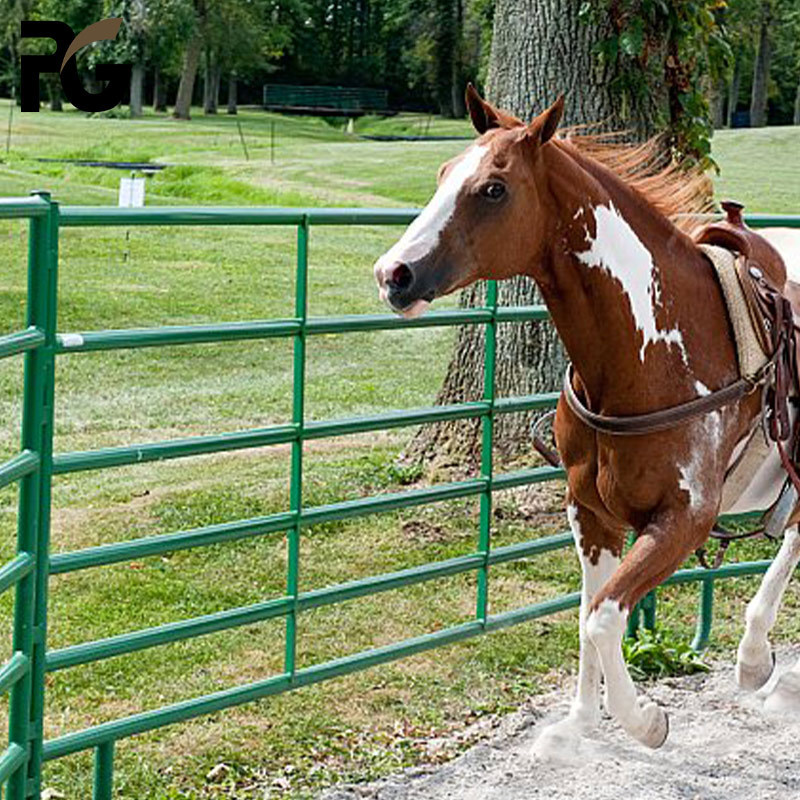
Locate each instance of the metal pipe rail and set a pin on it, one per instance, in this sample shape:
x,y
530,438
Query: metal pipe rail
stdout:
x,y
36,466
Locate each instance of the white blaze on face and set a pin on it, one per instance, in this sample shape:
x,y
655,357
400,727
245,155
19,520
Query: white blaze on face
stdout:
x,y
619,252
422,235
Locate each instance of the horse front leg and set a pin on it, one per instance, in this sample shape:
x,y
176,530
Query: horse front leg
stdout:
x,y
755,661
598,551
660,549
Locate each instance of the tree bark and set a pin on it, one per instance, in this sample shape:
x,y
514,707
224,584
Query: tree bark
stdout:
x,y
232,105
733,87
539,48
191,59
758,98
159,91
137,89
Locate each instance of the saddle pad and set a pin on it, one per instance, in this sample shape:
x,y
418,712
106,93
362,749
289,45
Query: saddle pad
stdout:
x,y
750,356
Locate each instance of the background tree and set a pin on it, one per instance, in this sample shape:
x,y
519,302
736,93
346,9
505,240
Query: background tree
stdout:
x,y
634,66
191,61
761,66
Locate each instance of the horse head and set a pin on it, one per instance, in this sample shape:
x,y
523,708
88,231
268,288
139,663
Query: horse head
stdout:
x,y
485,219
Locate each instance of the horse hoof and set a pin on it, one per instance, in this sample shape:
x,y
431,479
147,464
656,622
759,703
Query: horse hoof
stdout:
x,y
656,726
785,697
558,742
751,676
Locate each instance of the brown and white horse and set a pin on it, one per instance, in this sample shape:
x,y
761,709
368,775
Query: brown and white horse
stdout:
x,y
642,317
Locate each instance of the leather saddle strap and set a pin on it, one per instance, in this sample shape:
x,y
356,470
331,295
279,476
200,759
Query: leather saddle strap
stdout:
x,y
640,424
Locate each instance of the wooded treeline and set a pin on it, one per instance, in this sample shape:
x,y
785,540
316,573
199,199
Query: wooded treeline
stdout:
x,y
212,51
423,51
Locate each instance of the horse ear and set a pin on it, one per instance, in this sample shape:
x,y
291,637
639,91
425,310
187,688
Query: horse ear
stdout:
x,y
544,126
484,115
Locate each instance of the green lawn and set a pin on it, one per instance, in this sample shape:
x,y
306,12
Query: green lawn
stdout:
x,y
354,727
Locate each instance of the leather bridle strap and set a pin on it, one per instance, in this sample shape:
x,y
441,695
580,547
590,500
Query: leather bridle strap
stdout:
x,y
640,424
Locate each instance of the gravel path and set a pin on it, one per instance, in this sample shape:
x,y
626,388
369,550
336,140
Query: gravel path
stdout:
x,y
722,746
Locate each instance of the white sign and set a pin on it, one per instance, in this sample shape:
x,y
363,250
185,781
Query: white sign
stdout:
x,y
131,192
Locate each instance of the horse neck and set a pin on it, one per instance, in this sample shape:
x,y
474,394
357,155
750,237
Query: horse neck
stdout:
x,y
632,297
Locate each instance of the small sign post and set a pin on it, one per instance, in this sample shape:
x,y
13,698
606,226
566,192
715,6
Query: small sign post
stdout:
x,y
131,192
131,195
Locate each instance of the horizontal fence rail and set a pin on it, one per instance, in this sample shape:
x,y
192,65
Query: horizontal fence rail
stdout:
x,y
35,466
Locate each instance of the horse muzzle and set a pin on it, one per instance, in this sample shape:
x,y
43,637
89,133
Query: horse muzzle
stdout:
x,y
399,286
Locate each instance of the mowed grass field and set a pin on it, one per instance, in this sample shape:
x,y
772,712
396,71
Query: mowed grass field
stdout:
x,y
420,709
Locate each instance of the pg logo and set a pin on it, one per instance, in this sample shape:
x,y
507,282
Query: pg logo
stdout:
x,y
63,63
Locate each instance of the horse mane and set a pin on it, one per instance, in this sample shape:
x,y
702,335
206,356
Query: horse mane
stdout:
x,y
680,192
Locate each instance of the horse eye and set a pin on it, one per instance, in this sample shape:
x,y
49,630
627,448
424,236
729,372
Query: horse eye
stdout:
x,y
493,191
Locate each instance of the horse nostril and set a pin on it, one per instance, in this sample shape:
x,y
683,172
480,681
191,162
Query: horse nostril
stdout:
x,y
400,277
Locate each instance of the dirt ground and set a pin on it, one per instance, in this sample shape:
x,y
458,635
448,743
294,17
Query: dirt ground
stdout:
x,y
722,746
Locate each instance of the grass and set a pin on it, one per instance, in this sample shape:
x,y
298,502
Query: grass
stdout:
x,y
356,727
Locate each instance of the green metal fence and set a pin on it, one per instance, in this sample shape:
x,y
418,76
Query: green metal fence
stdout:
x,y
36,465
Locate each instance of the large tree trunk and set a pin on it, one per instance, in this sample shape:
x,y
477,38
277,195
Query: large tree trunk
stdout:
x,y
539,48
159,91
733,87
137,89
232,105
191,59
758,99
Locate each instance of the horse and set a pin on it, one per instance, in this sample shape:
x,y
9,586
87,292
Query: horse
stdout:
x,y
642,318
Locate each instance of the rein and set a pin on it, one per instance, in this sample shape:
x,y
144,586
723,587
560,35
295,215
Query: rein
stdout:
x,y
665,418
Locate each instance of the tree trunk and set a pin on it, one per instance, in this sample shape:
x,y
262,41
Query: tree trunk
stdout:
x,y
56,98
159,91
457,81
733,87
444,46
211,85
137,89
539,48
232,109
191,59
758,99
796,118
717,103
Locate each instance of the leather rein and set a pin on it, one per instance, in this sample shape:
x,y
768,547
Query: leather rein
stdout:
x,y
665,418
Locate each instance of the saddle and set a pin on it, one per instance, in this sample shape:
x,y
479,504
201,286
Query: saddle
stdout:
x,y
775,318
773,306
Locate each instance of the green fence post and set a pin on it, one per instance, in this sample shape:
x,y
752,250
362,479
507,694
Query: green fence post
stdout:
x,y
634,621
27,698
298,417
487,443
103,771
706,615
649,610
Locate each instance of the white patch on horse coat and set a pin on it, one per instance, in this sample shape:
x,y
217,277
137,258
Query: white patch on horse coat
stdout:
x,y
701,388
563,737
754,654
618,251
422,235
700,468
